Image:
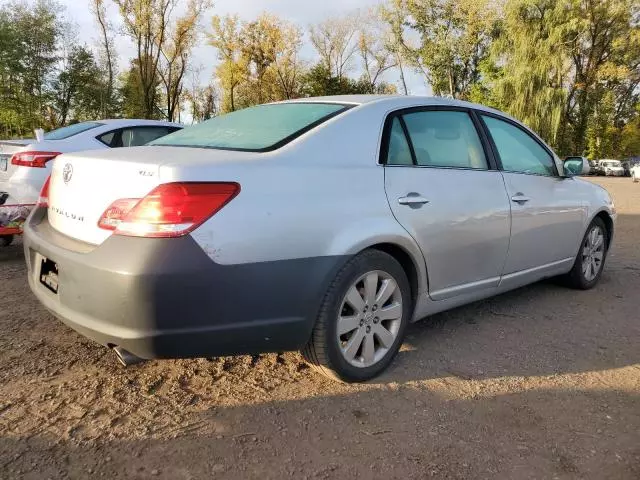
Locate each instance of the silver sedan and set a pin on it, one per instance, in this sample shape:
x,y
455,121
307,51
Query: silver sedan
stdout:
x,y
323,224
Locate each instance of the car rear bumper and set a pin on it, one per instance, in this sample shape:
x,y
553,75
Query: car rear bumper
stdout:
x,y
165,298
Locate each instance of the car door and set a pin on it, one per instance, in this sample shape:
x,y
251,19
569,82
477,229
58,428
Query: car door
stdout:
x,y
444,190
547,216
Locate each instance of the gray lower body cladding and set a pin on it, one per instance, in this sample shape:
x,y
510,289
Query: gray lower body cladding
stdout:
x,y
165,298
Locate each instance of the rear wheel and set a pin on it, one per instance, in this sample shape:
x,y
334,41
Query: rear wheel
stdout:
x,y
5,240
589,262
362,319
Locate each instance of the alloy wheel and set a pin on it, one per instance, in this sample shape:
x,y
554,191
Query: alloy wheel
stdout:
x,y
370,319
593,253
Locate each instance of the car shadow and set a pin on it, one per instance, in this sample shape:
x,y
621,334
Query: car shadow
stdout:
x,y
401,433
12,252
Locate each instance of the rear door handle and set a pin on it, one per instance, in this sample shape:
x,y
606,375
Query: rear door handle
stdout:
x,y
520,198
414,199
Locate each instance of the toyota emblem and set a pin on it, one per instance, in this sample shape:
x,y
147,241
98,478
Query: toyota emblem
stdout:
x,y
67,173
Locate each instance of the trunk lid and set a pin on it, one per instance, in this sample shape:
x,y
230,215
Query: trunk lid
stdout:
x,y
7,149
83,186
95,179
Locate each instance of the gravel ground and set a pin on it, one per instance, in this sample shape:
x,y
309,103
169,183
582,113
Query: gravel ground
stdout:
x,y
542,382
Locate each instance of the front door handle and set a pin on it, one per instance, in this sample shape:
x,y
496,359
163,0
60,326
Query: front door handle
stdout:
x,y
520,198
412,199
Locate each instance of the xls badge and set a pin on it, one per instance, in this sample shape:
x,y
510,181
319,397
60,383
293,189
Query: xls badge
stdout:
x,y
67,173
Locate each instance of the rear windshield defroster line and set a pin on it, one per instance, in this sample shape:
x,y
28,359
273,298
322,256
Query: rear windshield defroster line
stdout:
x,y
255,129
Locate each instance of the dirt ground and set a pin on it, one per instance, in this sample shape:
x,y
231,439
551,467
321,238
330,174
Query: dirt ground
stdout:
x,y
543,382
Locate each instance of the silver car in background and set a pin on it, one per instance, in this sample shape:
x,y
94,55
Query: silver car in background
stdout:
x,y
612,168
322,224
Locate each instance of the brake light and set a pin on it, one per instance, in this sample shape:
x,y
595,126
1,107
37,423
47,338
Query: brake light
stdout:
x,y
169,210
116,212
33,159
43,199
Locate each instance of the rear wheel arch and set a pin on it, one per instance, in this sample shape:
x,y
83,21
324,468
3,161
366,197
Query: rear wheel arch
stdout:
x,y
407,262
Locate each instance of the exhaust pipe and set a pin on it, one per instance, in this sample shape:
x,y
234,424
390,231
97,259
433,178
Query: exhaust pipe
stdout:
x,y
125,357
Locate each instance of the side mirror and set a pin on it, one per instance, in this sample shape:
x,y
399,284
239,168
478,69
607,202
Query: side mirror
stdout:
x,y
575,166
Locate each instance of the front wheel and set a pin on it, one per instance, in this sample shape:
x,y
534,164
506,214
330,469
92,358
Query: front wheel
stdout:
x,y
362,319
589,262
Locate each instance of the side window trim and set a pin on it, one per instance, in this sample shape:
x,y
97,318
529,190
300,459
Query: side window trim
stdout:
x,y
478,124
494,147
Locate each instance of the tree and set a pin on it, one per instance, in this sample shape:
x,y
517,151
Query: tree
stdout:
x,y
259,60
133,94
376,53
454,36
630,137
108,100
146,22
175,55
530,70
320,82
602,34
287,65
394,39
76,90
203,102
556,58
234,68
27,62
335,40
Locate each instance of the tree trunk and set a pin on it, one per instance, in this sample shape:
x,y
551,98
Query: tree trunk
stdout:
x,y
402,79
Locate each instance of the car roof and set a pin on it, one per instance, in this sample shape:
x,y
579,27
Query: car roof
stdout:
x,y
397,101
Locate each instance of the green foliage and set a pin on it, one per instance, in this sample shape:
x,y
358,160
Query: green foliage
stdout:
x,y
132,93
27,64
530,86
78,89
320,82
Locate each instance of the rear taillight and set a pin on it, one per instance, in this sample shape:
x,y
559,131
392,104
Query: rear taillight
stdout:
x,y
33,159
43,199
169,210
117,211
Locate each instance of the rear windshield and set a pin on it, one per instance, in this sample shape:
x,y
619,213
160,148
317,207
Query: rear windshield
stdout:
x,y
612,163
70,131
260,128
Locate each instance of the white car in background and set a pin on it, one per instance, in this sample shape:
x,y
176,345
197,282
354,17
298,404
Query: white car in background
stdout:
x,y
612,168
26,164
635,173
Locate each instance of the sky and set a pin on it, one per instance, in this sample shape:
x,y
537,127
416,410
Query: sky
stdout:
x,y
300,12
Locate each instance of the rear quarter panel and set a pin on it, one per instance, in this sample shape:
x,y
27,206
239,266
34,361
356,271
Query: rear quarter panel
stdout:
x,y
322,195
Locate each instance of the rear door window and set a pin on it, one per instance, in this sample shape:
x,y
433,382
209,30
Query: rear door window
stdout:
x,y
445,139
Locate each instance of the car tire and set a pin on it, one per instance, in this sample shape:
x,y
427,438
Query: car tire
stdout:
x,y
5,240
347,357
581,277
